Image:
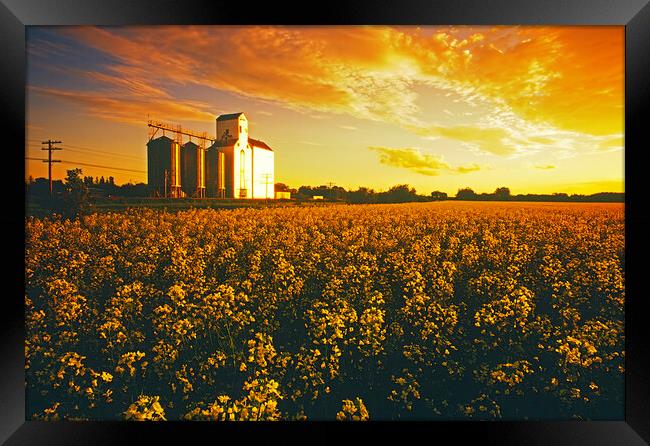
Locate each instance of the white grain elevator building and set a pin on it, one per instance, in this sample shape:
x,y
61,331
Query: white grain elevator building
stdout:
x,y
238,166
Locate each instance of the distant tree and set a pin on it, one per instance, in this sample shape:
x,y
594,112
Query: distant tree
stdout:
x,y
337,193
132,190
437,195
400,193
362,195
41,187
607,197
110,187
466,194
75,194
305,192
281,187
325,191
502,193
560,196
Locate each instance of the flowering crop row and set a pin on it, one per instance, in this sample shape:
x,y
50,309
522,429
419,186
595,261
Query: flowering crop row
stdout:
x,y
421,311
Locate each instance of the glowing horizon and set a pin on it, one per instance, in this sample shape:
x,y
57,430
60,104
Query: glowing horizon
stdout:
x,y
536,109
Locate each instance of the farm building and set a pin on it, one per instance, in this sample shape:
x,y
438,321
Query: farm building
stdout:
x,y
239,166
233,166
164,167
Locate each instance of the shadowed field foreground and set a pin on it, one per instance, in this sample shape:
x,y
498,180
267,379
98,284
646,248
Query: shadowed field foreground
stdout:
x,y
425,311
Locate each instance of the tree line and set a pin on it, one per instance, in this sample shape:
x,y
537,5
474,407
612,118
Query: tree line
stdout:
x,y
76,193
403,193
97,187
503,194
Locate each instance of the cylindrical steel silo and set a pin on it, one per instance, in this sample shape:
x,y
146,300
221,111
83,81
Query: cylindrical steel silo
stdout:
x,y
211,176
163,167
192,170
216,171
160,166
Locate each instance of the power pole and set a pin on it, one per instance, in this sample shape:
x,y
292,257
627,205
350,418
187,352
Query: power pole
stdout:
x,y
49,160
331,186
267,177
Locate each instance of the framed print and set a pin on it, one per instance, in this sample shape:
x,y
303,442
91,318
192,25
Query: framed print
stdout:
x,y
426,218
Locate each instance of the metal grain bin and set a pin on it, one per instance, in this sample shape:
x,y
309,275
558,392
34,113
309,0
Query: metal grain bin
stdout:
x,y
193,170
163,167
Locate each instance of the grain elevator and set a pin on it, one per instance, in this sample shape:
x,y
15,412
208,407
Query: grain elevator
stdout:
x,y
234,165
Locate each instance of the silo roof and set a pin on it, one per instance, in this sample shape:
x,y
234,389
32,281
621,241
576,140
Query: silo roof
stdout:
x,y
258,143
229,116
253,142
160,138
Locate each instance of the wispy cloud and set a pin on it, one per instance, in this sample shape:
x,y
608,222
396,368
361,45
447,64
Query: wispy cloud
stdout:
x,y
125,80
348,127
418,162
493,140
529,88
468,168
614,142
45,48
132,110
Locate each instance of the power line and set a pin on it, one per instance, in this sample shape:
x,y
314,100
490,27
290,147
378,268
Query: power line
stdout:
x,y
89,165
83,149
104,167
88,149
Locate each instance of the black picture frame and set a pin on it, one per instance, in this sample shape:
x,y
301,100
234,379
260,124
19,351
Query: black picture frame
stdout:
x,y
15,15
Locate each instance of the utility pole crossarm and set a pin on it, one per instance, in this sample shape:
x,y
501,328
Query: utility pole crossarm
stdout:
x,y
50,148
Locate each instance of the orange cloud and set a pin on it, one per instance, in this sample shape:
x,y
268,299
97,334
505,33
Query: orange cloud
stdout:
x,y
414,160
130,110
532,87
126,81
570,77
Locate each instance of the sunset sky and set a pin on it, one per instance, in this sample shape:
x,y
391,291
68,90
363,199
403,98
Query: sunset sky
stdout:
x,y
537,109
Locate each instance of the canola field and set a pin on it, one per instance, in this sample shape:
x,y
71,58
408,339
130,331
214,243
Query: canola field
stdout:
x,y
428,311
